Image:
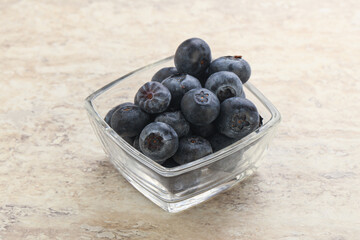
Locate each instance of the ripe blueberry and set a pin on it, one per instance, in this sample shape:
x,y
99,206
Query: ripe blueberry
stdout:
x,y
108,116
203,77
219,141
153,97
176,120
192,148
193,56
136,143
178,85
203,130
228,164
238,117
225,85
163,73
170,163
200,106
128,120
129,140
187,182
158,141
235,64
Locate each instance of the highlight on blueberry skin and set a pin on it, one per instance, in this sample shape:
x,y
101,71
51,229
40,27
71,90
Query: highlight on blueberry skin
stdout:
x,y
128,120
225,85
178,85
163,73
153,97
200,106
193,56
235,64
176,120
158,141
238,117
192,148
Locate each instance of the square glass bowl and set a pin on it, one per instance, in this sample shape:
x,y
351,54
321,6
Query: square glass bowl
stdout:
x,y
176,189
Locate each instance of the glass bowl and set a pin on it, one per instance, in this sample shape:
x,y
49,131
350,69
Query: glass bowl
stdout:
x,y
176,189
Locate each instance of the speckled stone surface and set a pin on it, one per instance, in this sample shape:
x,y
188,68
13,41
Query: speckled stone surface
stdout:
x,y
55,181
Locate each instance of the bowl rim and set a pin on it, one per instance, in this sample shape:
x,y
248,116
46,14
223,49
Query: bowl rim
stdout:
x,y
170,172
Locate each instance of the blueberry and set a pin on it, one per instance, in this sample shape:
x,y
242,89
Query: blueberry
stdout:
x,y
153,97
200,106
235,64
184,182
176,120
193,56
163,73
136,143
228,163
108,116
225,85
238,117
219,141
170,163
178,85
243,95
128,120
158,141
187,182
129,140
261,120
203,77
192,148
203,130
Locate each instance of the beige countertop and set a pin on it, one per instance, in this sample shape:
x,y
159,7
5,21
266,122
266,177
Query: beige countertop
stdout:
x,y
55,181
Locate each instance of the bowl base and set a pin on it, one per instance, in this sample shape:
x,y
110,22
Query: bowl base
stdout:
x,y
178,206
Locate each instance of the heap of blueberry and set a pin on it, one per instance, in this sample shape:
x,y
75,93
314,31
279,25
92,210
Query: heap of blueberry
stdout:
x,y
188,111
